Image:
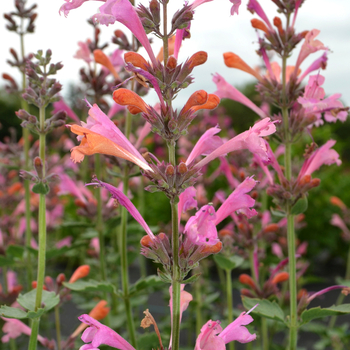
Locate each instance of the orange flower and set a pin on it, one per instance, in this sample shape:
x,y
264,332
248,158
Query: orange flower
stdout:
x,y
338,202
136,60
199,97
234,61
280,277
101,58
197,59
212,102
99,312
246,279
81,272
135,103
92,143
257,24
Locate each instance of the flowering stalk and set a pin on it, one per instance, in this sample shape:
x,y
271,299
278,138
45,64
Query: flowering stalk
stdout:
x,y
123,245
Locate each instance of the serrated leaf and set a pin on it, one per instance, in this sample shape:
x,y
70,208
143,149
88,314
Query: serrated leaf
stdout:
x,y
41,188
144,283
48,300
228,263
317,312
91,286
192,279
265,308
12,312
300,206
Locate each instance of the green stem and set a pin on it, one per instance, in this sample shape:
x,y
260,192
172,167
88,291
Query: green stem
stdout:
x,y
123,247
199,316
175,278
165,33
252,269
58,327
341,296
229,302
42,234
264,334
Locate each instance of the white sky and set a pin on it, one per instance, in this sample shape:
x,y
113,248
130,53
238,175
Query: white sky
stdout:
x,y
213,30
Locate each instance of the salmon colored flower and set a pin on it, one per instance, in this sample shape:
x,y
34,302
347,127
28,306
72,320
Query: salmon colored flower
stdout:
x,y
129,98
102,58
81,272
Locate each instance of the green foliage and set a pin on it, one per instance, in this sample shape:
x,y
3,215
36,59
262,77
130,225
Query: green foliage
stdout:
x,y
317,312
228,262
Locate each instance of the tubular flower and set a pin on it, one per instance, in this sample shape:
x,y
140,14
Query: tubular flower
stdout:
x,y
102,58
234,61
254,6
226,90
97,334
235,6
81,272
212,337
129,98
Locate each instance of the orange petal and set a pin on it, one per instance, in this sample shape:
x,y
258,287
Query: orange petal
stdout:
x,y
81,272
101,58
257,24
280,277
94,143
136,60
16,187
126,97
246,279
234,61
197,98
338,202
212,102
197,59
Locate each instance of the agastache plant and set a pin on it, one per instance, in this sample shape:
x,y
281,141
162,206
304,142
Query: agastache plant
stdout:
x,y
180,253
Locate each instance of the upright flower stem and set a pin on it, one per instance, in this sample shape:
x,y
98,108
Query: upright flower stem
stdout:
x,y
123,247
229,301
293,330
42,235
58,327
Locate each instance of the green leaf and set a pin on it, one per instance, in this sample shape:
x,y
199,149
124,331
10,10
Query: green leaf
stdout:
x,y
37,314
265,308
300,206
228,263
41,188
144,283
317,312
48,301
55,252
12,312
90,286
192,279
16,251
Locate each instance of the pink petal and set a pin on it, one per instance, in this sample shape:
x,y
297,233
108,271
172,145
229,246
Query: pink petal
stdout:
x,y
235,6
208,339
226,90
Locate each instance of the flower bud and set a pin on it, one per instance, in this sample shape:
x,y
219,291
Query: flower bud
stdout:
x,y
38,165
197,59
258,24
182,168
60,279
278,24
280,277
197,98
155,10
171,63
146,241
315,182
81,272
100,311
246,279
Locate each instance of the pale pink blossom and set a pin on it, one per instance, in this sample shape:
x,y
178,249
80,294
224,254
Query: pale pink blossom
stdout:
x,y
196,3
13,328
206,144
320,63
65,242
250,139
187,201
323,155
122,11
73,4
339,222
226,90
97,334
212,337
84,52
235,6
310,45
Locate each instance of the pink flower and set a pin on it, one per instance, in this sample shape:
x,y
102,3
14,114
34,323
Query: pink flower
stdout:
x,y
84,52
320,63
226,90
122,11
250,139
187,201
310,46
125,202
71,5
97,334
206,144
201,228
196,3
323,155
212,337
235,6
13,328
254,6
